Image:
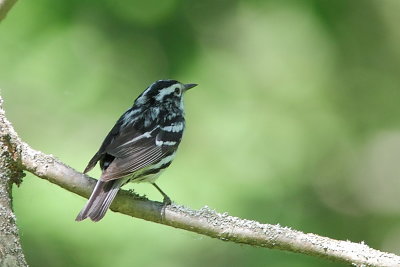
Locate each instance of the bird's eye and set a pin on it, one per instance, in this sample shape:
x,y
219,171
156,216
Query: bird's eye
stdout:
x,y
177,91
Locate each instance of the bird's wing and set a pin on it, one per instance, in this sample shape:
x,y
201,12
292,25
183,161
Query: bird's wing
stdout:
x,y
107,141
114,139
132,154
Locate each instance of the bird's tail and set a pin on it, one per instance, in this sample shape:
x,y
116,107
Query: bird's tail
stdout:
x,y
100,200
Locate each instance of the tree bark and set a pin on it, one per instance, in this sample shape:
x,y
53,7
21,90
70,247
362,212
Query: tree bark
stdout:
x,y
11,253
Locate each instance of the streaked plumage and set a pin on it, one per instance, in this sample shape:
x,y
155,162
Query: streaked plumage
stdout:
x,y
142,143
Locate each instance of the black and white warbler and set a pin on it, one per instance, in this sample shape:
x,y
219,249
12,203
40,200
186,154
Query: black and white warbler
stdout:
x,y
142,143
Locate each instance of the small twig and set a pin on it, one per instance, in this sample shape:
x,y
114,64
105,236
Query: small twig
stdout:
x,y
5,6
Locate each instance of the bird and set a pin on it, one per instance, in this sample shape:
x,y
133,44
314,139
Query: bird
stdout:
x,y
140,146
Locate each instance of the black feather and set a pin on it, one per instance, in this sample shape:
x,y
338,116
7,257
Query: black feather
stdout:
x,y
100,200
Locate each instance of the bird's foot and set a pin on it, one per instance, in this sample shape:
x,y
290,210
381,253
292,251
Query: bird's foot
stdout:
x,y
167,201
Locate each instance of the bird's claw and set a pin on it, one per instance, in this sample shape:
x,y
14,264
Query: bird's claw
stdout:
x,y
167,201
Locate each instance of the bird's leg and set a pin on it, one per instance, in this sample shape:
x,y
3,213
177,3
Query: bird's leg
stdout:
x,y
167,200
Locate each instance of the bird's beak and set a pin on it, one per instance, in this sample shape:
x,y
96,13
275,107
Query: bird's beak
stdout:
x,y
189,86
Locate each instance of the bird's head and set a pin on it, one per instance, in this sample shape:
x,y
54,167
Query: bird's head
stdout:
x,y
164,91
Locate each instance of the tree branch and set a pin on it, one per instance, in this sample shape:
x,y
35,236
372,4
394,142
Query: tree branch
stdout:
x,y
11,253
5,6
204,221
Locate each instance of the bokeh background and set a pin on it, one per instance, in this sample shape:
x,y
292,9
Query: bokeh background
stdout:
x,y
295,121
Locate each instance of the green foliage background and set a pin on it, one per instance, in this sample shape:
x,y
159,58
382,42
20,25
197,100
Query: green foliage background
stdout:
x,y
295,121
